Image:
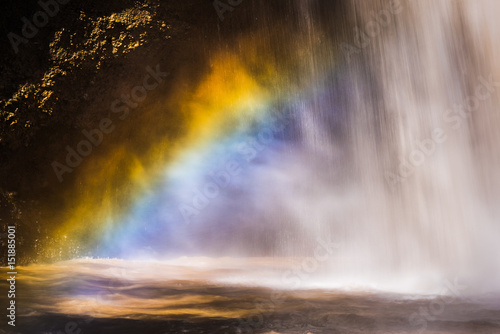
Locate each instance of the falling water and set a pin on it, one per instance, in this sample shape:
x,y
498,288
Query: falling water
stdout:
x,y
382,155
386,157
410,185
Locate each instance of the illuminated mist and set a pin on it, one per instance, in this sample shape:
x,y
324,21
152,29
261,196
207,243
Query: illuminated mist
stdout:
x,y
364,148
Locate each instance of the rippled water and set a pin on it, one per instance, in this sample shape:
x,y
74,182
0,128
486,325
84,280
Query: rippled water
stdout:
x,y
229,295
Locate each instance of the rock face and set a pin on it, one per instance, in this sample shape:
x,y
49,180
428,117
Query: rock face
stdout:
x,y
60,77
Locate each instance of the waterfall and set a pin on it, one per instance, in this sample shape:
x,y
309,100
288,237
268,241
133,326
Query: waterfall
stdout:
x,y
367,124
395,149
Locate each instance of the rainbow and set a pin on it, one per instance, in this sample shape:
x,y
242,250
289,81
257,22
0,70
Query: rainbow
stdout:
x,y
140,206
